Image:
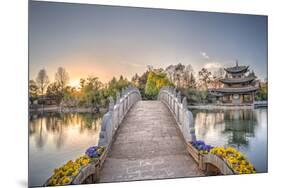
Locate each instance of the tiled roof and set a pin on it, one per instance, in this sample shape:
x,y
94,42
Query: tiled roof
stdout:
x,y
236,69
235,90
236,80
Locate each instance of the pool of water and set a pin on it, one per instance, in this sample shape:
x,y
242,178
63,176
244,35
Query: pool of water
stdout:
x,y
245,130
56,138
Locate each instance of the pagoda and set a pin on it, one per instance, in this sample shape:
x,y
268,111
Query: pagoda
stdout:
x,y
238,87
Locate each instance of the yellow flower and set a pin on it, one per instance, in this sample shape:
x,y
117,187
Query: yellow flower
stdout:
x,y
75,173
236,160
66,180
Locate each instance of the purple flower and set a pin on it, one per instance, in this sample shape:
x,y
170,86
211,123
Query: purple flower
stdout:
x,y
92,152
201,146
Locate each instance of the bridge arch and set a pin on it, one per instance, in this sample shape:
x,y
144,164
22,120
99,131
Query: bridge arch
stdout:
x,y
115,116
214,165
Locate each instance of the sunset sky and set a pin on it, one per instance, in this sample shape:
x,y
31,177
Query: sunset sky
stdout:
x,y
107,41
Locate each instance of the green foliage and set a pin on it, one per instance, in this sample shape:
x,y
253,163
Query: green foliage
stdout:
x,y
141,83
262,92
205,78
53,91
194,96
115,86
33,89
155,80
70,97
90,92
93,93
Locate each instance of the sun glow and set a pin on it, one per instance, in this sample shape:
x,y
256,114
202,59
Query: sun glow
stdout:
x,y
74,83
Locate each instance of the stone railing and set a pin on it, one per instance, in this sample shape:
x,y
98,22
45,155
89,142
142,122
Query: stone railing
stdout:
x,y
178,108
116,113
110,123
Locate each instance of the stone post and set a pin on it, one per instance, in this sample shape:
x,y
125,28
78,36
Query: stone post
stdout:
x,y
174,100
118,108
184,104
191,125
178,105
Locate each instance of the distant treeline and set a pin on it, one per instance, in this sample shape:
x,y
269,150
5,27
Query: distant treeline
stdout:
x,y
93,93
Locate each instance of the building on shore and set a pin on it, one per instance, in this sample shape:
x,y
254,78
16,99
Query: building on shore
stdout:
x,y
238,87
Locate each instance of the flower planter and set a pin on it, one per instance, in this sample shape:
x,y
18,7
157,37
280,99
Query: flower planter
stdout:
x,y
193,152
219,160
201,163
86,169
99,165
213,163
87,174
234,160
102,157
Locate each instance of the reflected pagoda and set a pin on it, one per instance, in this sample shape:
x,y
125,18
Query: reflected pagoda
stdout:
x,y
238,87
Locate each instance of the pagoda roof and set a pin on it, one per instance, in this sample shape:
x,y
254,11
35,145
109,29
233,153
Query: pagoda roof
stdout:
x,y
237,80
236,69
235,90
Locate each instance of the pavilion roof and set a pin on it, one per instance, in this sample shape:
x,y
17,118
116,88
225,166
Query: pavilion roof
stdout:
x,y
237,80
235,90
236,69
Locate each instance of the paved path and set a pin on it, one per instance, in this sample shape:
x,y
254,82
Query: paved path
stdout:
x,y
148,145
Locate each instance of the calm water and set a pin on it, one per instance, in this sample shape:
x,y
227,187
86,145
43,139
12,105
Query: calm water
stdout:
x,y
245,130
57,138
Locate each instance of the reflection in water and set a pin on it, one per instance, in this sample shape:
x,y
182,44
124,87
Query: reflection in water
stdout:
x,y
55,138
245,130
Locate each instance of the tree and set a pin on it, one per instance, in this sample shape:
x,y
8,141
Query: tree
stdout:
x,y
61,78
70,97
91,92
188,78
180,75
135,80
217,76
262,92
204,78
82,82
53,91
150,87
192,82
42,81
33,89
155,80
176,74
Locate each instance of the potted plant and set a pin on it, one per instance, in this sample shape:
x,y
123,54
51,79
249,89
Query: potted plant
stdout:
x,y
197,149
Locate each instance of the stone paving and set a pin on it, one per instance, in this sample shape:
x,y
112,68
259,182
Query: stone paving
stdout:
x,y
148,145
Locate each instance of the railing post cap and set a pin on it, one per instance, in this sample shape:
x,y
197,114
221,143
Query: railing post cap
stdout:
x,y
184,103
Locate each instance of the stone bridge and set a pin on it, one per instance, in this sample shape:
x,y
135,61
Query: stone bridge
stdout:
x,y
147,139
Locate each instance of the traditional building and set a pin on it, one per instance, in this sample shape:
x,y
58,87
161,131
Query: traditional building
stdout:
x,y
238,87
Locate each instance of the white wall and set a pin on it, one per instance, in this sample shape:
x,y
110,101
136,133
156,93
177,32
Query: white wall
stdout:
x,y
13,95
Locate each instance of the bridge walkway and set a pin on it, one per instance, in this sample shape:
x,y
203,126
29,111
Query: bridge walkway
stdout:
x,y
148,145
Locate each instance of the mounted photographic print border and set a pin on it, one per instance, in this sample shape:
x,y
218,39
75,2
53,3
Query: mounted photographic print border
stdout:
x,y
124,94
